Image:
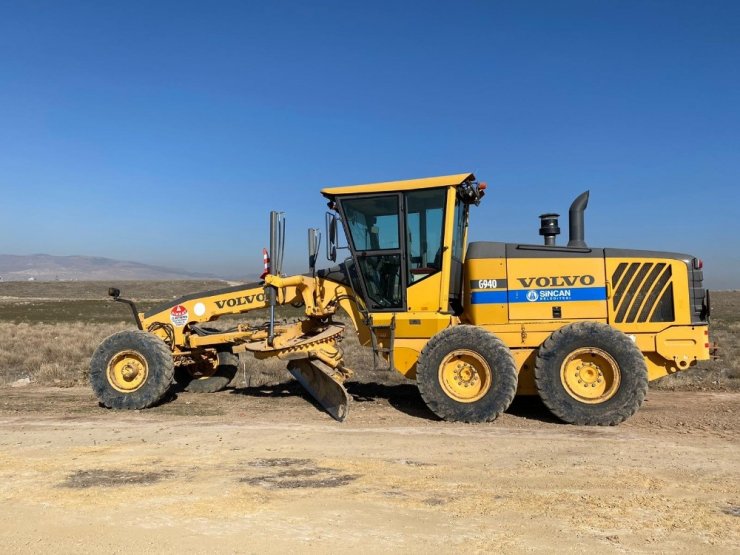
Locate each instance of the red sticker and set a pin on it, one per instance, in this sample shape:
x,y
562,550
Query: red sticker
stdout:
x,y
179,315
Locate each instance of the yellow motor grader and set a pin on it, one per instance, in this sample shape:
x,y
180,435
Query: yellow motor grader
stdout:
x,y
474,324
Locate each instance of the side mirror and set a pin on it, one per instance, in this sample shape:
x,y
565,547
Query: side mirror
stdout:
x,y
331,236
314,240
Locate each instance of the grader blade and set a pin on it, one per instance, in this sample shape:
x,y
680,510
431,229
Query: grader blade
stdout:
x,y
318,379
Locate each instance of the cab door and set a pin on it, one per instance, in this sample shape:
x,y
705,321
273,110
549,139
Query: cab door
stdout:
x,y
375,228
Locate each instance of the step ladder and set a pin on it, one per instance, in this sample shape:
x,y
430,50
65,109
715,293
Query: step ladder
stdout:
x,y
378,351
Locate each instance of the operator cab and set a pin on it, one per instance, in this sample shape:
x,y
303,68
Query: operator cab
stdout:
x,y
402,234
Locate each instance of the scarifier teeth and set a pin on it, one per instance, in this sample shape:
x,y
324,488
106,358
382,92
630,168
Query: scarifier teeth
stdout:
x,y
309,342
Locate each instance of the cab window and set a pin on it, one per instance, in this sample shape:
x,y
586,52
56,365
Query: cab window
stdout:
x,y
424,230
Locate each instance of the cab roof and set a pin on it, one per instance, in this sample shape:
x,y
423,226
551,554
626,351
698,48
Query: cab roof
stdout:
x,y
405,185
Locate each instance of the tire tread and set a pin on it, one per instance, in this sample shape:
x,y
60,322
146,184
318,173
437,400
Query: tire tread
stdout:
x,y
159,362
228,366
632,367
504,385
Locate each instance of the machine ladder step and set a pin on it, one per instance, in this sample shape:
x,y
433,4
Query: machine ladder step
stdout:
x,y
378,351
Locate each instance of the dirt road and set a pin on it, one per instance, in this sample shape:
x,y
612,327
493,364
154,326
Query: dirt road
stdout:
x,y
257,470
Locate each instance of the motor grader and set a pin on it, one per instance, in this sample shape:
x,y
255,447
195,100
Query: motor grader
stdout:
x,y
474,324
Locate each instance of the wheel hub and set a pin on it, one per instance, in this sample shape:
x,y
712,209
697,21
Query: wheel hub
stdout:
x,y
127,371
590,375
465,376
130,371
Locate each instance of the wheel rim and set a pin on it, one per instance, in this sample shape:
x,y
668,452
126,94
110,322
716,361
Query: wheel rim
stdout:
x,y
590,375
127,371
465,376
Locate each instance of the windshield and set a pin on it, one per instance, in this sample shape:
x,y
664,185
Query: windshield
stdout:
x,y
373,222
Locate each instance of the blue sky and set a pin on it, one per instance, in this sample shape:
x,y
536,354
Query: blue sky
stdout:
x,y
164,132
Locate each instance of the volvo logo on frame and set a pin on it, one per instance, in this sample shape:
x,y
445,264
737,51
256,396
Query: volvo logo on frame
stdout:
x,y
557,281
239,301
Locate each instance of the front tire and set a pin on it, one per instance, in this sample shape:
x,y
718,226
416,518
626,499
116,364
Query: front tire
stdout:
x,y
466,374
588,373
131,370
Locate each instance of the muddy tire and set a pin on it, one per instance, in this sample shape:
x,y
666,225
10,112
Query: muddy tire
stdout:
x,y
589,373
131,370
228,365
466,374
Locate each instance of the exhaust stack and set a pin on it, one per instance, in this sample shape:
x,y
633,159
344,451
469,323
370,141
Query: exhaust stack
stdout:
x,y
575,221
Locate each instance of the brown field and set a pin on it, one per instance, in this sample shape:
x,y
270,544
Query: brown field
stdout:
x,y
259,468
98,290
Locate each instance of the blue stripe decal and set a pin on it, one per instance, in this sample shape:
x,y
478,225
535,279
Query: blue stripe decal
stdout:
x,y
488,297
561,295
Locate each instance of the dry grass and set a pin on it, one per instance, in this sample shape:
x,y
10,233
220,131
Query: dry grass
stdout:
x,y
723,373
51,341
59,354
49,330
51,354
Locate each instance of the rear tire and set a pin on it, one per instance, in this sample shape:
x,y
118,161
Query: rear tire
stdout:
x,y
588,373
228,365
131,370
466,374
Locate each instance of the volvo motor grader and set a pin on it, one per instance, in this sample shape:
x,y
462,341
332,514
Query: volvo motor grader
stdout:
x,y
474,324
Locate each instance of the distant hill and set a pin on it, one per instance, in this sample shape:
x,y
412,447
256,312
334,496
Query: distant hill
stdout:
x,y
45,267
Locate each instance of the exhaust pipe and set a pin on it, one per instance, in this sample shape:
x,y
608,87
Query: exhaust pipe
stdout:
x,y
575,221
